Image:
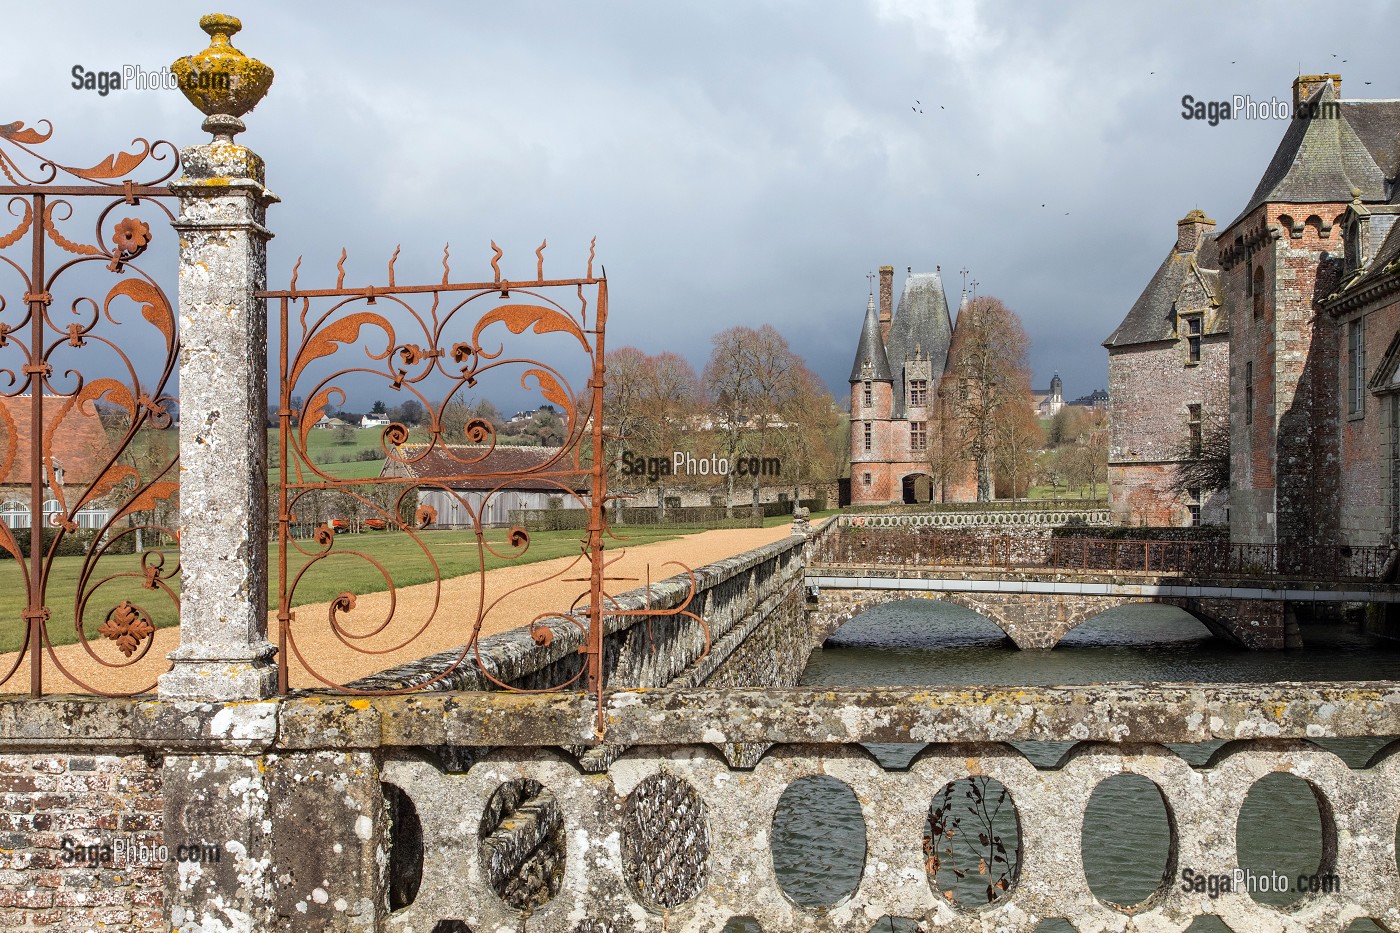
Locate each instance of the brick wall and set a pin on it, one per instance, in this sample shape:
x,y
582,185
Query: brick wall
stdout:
x,y
1284,478
88,800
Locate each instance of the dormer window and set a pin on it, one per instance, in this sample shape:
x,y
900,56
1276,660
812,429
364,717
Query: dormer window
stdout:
x,y
918,393
1353,246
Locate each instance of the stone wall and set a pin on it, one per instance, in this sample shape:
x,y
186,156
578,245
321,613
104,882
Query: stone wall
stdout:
x,y
1366,499
1150,387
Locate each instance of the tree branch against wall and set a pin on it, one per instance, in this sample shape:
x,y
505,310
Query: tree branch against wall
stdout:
x,y
1207,468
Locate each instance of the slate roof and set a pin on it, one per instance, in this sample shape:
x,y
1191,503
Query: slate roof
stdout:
x,y
1322,159
871,348
1386,253
921,321
1183,279
445,461
79,444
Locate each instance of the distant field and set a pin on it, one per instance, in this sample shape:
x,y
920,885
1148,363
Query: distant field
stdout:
x,y
455,552
335,458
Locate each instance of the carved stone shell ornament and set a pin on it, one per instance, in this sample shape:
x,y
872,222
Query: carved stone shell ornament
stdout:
x,y
221,81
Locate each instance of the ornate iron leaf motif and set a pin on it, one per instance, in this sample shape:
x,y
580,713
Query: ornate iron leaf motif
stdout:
x,y
127,625
88,410
432,344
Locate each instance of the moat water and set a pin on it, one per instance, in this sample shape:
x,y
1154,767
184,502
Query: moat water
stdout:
x,y
818,833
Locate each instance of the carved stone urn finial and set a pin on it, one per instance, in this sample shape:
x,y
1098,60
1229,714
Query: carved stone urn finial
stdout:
x,y
221,81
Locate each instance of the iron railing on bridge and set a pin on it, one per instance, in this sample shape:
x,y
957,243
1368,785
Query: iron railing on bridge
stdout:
x,y
928,548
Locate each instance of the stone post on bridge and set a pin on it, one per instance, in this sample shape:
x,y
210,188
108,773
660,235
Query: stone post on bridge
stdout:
x,y
257,809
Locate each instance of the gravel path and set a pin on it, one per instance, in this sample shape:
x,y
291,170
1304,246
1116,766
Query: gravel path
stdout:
x,y
442,618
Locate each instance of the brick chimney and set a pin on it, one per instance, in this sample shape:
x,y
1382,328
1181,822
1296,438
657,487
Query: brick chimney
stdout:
x,y
1191,230
886,300
1305,86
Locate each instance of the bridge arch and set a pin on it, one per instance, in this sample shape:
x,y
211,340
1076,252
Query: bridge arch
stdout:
x,y
830,622
1031,621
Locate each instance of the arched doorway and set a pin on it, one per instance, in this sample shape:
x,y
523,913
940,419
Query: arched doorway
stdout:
x,y
918,488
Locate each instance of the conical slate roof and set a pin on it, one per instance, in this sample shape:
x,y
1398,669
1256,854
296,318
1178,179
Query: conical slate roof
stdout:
x,y
922,323
871,348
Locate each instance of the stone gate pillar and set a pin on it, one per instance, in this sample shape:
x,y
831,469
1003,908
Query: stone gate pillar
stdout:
x,y
224,653
222,802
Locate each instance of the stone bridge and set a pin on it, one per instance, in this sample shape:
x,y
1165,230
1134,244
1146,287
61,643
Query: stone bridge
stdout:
x,y
1036,610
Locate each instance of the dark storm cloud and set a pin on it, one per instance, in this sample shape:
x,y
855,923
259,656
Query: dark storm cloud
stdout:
x,y
739,162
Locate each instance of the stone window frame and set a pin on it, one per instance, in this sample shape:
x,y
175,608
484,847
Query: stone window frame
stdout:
x,y
865,478
918,393
1194,325
868,398
1193,506
1356,368
918,436
1258,291
869,436
1193,428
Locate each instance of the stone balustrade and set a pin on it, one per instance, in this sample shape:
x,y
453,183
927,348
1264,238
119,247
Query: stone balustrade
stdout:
x,y
671,836
981,519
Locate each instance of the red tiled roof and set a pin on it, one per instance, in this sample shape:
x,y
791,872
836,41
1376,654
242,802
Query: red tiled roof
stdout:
x,y
489,470
78,443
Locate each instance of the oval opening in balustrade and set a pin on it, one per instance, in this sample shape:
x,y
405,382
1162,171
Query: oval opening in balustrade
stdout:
x,y
665,841
972,842
522,843
405,846
742,925
451,926
889,924
1286,841
818,842
1127,860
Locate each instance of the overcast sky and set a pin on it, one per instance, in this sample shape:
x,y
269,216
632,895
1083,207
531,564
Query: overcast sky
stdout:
x,y
739,162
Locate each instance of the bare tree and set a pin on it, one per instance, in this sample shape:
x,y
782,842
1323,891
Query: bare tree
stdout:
x,y
986,381
813,443
623,403
731,384
1016,437
669,394
1203,465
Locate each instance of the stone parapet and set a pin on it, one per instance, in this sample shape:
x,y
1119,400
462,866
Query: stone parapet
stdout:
x,y
407,839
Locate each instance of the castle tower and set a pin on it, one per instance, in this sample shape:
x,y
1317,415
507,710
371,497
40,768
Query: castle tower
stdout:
x,y
872,401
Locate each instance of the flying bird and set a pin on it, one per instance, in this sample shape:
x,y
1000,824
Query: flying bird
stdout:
x,y
1368,82
941,107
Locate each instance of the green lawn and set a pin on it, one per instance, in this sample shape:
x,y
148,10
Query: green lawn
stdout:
x,y
335,458
454,551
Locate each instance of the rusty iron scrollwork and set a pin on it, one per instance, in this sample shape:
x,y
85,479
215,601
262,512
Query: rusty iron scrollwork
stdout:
x,y
88,472
433,346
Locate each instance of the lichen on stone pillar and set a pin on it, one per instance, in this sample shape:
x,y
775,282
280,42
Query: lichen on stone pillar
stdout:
x,y
224,653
